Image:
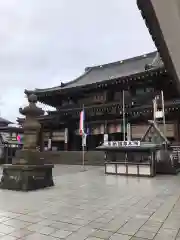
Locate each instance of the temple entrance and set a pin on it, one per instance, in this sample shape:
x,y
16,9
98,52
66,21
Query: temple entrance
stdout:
x,y
75,142
94,141
115,136
58,145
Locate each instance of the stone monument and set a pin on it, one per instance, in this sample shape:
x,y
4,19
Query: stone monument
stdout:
x,y
28,171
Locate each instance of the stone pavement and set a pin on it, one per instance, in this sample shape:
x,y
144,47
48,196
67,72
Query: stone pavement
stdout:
x,y
89,205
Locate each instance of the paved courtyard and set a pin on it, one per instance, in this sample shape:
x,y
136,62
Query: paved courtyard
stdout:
x,y
89,205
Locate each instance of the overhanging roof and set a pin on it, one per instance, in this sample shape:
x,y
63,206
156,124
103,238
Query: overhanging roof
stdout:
x,y
4,121
162,18
109,72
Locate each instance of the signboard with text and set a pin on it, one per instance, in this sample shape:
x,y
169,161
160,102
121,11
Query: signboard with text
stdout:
x,y
122,143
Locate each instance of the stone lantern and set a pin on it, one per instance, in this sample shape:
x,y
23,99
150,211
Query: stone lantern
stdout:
x,y
28,171
31,125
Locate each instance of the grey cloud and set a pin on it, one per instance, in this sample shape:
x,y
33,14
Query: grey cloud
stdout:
x,y
43,42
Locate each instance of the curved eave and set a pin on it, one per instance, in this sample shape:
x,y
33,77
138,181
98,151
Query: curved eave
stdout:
x,y
10,129
149,15
102,84
59,88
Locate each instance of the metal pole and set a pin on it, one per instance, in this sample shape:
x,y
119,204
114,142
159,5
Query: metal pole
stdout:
x,y
154,109
163,110
83,141
105,132
83,152
124,122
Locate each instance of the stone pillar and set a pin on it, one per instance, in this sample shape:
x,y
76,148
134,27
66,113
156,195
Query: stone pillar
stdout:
x,y
31,128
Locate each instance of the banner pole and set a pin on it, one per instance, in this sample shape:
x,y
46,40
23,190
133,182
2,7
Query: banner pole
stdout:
x,y
83,152
163,110
124,121
83,141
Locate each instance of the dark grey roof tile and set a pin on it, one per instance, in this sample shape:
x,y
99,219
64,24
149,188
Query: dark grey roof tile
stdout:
x,y
108,71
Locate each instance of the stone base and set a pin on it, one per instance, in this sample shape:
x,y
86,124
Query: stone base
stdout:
x,y
26,177
28,157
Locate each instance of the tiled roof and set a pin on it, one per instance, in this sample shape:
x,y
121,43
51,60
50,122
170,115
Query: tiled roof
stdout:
x,y
106,72
5,121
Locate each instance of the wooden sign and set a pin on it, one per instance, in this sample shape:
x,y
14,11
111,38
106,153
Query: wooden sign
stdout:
x,y
58,136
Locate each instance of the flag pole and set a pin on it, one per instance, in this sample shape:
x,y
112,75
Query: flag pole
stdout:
x,y
163,110
124,122
83,153
83,140
154,109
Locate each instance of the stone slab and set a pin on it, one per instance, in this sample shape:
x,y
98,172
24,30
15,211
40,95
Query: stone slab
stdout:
x,y
91,205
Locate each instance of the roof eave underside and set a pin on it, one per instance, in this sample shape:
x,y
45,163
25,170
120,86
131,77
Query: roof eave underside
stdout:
x,y
149,15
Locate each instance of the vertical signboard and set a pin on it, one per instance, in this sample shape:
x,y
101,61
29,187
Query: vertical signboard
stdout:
x,y
66,135
49,143
105,138
128,132
84,140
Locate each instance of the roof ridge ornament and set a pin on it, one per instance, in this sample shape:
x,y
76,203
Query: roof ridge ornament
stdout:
x,y
157,62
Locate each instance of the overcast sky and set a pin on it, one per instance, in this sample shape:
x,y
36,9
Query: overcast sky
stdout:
x,y
44,42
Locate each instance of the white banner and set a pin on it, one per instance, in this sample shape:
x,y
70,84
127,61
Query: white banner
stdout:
x,y
84,140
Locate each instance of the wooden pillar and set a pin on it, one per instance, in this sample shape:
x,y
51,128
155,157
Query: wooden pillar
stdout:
x,y
177,131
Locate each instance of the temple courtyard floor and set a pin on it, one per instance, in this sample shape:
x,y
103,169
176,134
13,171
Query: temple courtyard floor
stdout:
x,y
90,205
